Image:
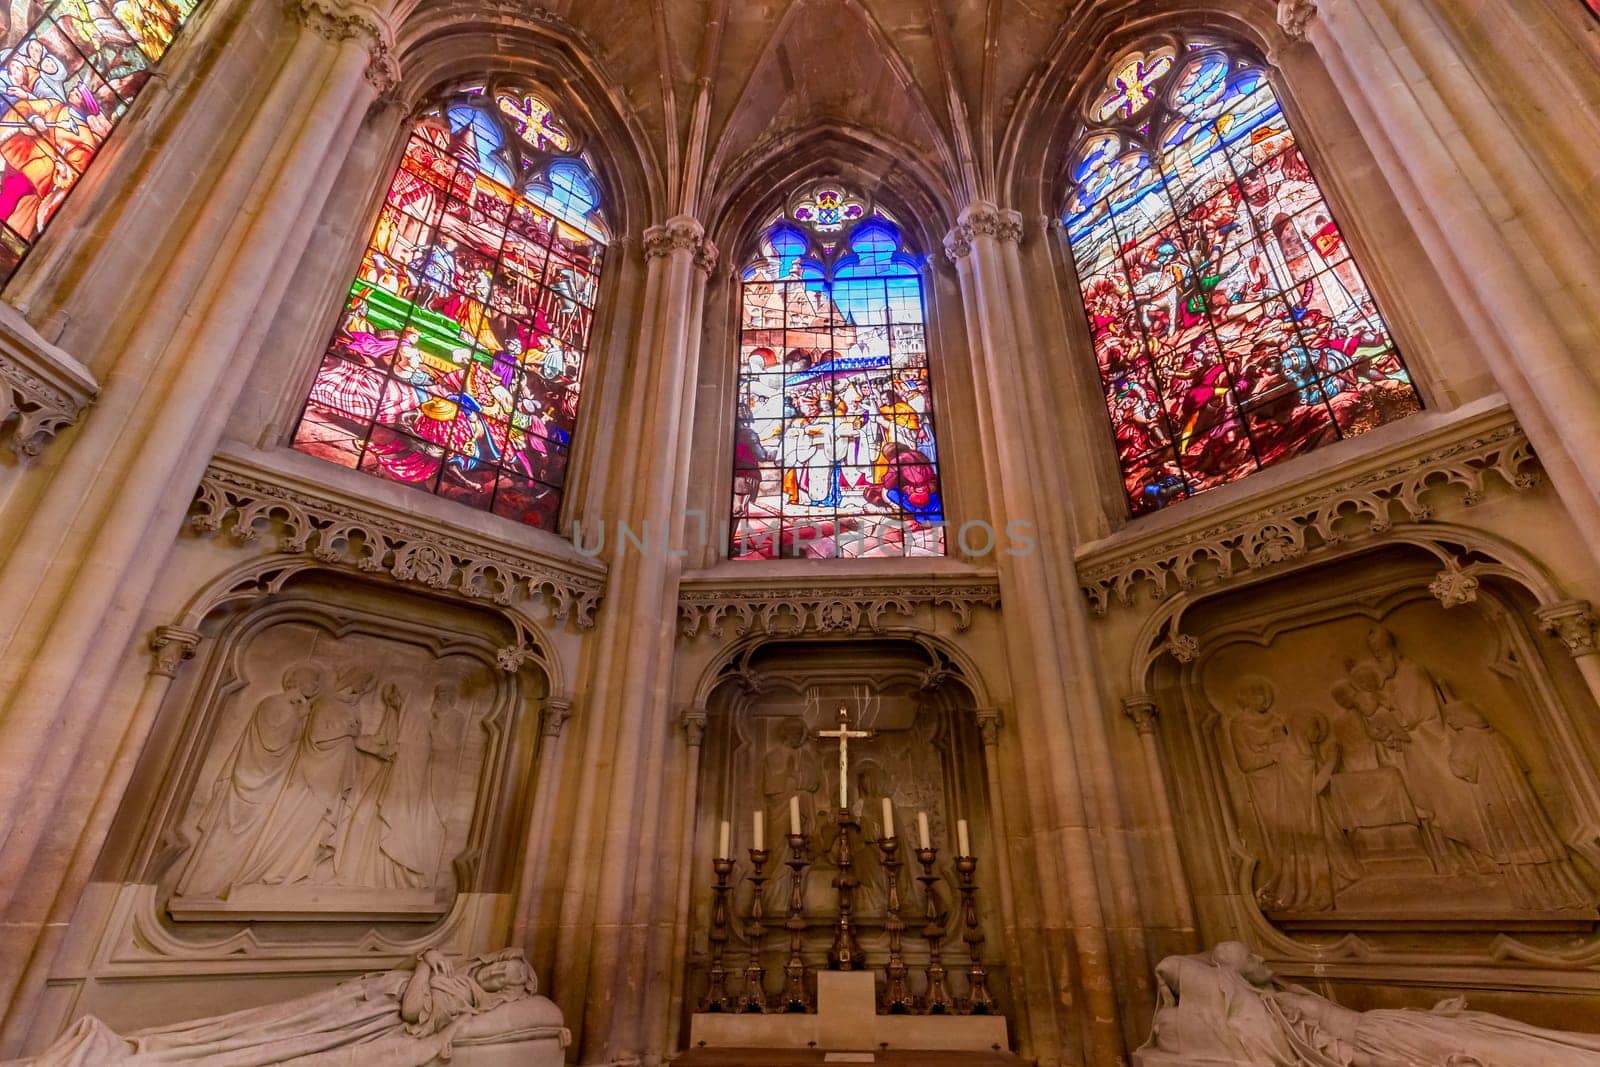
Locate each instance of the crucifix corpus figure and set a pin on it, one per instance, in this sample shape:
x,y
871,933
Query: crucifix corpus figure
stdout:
x,y
845,955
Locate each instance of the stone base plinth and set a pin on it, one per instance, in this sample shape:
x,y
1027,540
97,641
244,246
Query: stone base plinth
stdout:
x,y
847,1019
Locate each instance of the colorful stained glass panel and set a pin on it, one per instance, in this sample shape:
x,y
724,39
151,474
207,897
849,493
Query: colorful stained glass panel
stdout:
x,y
1231,326
456,367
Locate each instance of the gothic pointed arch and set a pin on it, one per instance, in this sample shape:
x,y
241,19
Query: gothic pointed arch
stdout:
x,y
1231,325
456,366
69,72
834,448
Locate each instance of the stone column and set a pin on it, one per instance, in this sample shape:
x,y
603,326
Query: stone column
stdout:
x,y
536,846
1461,176
602,945
1059,733
84,562
1143,713
677,932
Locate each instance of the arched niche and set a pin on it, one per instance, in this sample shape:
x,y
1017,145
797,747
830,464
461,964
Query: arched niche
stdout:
x,y
927,756
1380,766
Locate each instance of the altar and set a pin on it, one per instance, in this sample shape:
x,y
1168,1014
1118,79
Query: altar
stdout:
x,y
923,984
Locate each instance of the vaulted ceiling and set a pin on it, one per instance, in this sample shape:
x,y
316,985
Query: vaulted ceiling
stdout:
x,y
939,90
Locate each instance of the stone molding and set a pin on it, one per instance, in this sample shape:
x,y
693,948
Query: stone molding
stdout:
x,y
1404,484
681,233
1294,16
821,609
43,390
344,20
248,502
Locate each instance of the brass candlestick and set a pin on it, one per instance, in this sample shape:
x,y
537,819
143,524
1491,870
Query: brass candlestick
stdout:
x,y
754,998
845,954
897,998
717,998
795,998
937,1000
978,1001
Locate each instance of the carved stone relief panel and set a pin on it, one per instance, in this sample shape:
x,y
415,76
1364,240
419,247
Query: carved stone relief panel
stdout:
x,y
341,761
1379,760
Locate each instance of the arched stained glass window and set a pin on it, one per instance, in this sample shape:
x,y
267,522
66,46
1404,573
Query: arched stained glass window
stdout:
x,y
68,72
1232,328
834,449
456,365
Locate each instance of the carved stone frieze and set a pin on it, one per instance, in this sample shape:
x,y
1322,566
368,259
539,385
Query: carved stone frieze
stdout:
x,y
1454,468
340,533
43,390
826,610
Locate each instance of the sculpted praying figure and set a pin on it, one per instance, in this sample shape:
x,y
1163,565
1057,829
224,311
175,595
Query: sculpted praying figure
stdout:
x,y
1224,1007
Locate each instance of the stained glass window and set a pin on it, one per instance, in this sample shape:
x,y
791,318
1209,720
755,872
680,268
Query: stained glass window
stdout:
x,y
1593,6
68,71
456,364
1232,328
834,449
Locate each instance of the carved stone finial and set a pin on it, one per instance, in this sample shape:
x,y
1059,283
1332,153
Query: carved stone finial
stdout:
x,y
1142,712
1294,16
989,722
693,721
172,645
1452,588
554,715
1185,648
1572,622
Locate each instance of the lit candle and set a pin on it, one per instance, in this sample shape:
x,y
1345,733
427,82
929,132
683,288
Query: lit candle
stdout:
x,y
760,835
961,838
888,817
794,816
724,853
922,830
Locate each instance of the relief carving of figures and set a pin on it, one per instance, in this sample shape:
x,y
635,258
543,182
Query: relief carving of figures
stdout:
x,y
335,787
1393,800
1225,1007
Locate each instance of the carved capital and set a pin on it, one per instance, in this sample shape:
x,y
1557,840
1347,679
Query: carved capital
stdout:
x,y
1009,228
681,233
1452,588
345,20
172,645
1185,648
958,243
1294,16
554,715
1142,712
989,721
1573,623
693,721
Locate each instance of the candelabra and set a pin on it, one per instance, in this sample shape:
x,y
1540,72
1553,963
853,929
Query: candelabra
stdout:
x,y
717,998
978,1001
845,955
937,1001
897,998
795,998
754,998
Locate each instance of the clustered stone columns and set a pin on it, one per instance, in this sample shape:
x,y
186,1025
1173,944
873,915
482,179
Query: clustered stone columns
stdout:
x,y
1074,816
84,558
608,952
1481,201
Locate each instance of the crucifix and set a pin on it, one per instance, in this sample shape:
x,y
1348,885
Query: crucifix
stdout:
x,y
845,955
844,734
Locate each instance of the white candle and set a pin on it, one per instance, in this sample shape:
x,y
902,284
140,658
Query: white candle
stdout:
x,y
760,835
922,830
961,838
888,817
724,853
794,816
